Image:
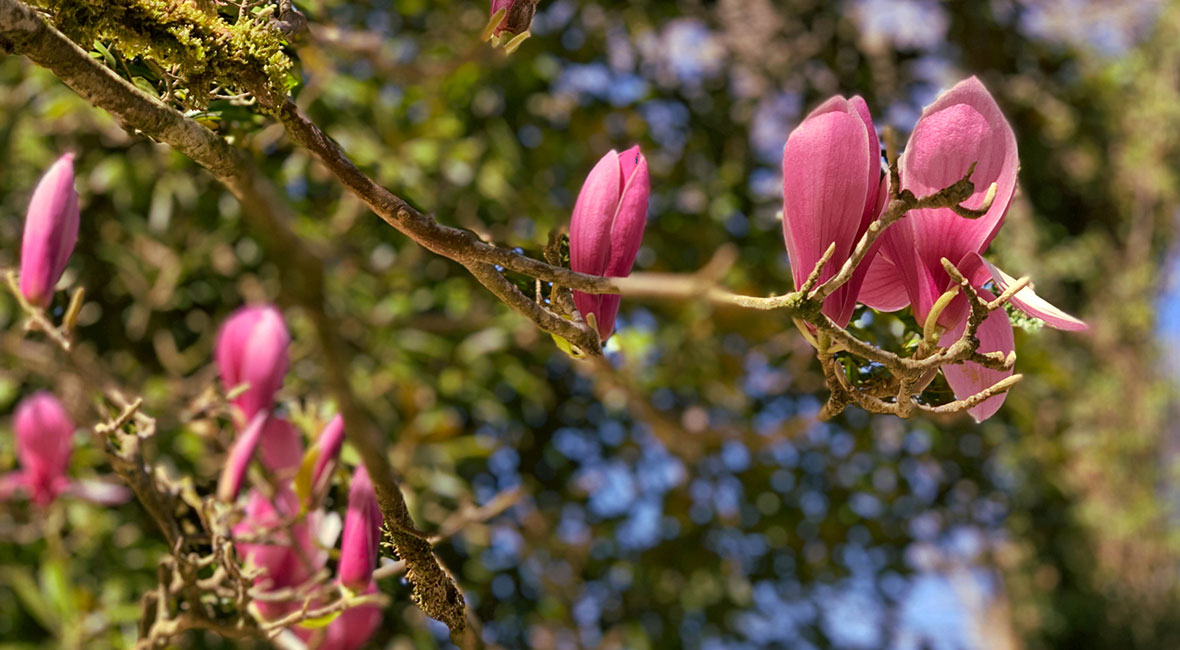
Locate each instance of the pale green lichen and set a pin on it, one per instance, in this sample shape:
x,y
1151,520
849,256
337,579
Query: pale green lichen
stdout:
x,y
1022,320
202,49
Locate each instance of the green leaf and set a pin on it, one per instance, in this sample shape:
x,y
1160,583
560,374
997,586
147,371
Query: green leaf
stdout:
x,y
316,623
106,53
55,585
567,347
145,85
303,479
21,581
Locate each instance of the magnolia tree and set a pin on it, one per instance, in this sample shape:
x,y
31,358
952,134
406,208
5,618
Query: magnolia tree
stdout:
x,y
262,554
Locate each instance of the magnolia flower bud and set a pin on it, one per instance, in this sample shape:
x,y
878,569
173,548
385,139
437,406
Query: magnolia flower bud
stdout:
x,y
362,533
831,188
607,228
252,349
518,15
44,433
51,230
43,444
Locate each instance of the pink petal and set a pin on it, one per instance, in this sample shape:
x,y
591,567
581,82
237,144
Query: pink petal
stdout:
x,y
362,532
252,349
967,379
629,161
231,345
873,202
51,231
593,215
878,193
883,288
44,433
589,303
626,233
290,558
1029,302
963,126
100,492
606,313
239,458
825,194
281,447
330,441
922,282
262,516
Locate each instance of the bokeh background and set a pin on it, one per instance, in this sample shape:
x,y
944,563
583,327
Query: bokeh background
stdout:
x,y
686,497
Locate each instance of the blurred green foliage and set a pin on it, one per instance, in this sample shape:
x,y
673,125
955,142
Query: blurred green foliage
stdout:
x,y
687,497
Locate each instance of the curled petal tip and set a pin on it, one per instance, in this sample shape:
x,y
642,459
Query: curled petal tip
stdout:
x,y
1025,299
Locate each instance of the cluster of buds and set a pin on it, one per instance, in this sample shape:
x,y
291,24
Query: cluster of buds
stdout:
x,y
285,533
44,430
835,192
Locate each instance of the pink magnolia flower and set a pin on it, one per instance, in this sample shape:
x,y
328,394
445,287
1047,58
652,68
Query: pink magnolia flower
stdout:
x,y
274,536
362,533
289,556
832,190
358,557
518,15
43,444
252,349
607,228
963,126
51,230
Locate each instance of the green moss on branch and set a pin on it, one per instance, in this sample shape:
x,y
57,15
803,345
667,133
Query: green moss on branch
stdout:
x,y
197,45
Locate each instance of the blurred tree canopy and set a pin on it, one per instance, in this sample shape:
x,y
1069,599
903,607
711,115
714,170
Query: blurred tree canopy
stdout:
x,y
683,494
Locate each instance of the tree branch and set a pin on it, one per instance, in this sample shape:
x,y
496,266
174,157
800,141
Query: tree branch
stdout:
x,y
23,31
